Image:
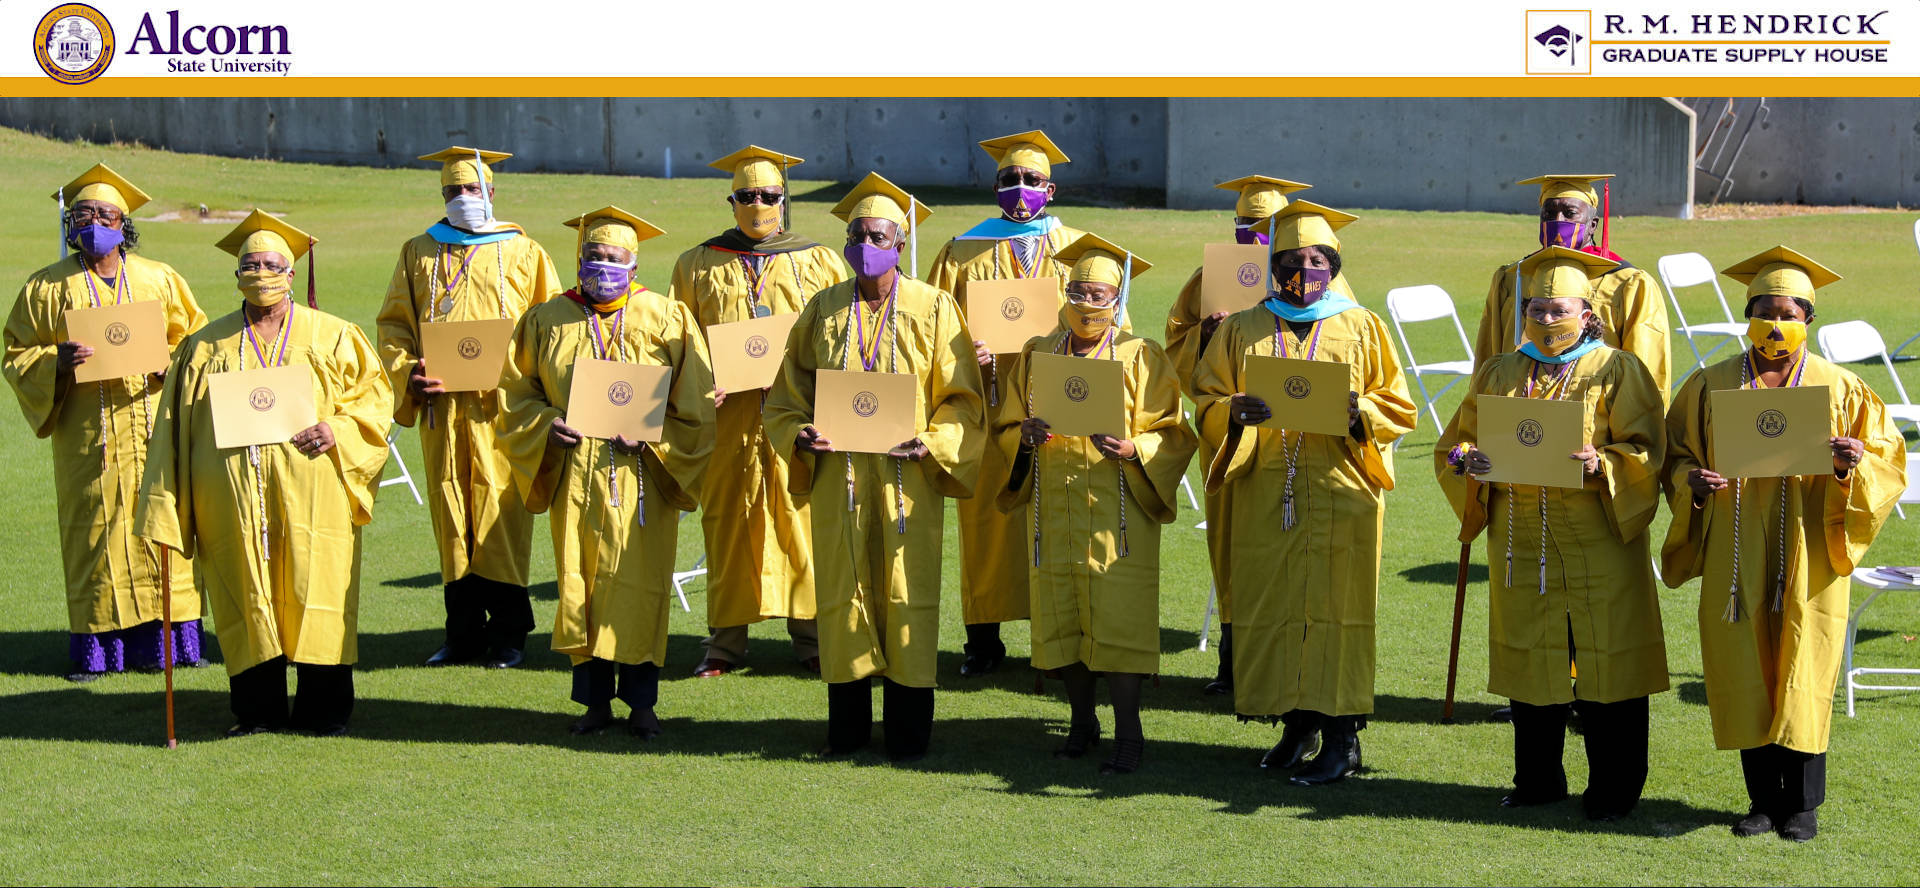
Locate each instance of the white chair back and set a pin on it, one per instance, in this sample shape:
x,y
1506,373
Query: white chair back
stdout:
x,y
1425,302
1850,341
1428,302
1691,270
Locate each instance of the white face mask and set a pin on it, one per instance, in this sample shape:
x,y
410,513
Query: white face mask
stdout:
x,y
468,211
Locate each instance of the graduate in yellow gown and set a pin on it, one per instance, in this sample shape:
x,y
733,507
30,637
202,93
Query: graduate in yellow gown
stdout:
x,y
1094,576
274,528
614,501
1188,333
1592,601
1773,554
758,563
1022,242
1627,300
469,266
877,517
99,429
1308,509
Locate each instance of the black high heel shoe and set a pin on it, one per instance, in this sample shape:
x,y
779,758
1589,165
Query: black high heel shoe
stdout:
x,y
1079,739
1127,755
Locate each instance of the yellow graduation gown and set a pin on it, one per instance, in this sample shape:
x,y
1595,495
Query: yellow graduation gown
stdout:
x,y
878,588
1771,673
613,544
479,522
300,594
1183,346
1304,598
113,579
1628,301
1093,565
1599,575
993,569
758,559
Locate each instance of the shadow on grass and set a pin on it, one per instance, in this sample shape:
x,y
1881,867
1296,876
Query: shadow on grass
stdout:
x,y
1015,751
1445,572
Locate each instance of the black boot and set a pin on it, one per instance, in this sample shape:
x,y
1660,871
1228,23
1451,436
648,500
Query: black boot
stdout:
x,y
1800,826
1298,739
1222,682
1339,756
984,649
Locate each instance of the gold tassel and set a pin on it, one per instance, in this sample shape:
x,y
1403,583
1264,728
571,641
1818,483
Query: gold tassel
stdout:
x,y
1732,614
1779,596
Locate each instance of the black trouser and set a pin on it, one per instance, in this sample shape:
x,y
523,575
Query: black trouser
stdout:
x,y
487,615
1783,781
324,700
984,638
597,682
1616,741
908,716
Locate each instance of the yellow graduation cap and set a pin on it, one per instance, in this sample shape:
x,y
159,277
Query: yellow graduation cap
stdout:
x,y
1559,272
1578,186
1781,271
102,183
877,198
1304,223
612,226
459,167
1261,196
1098,260
262,233
1031,149
757,167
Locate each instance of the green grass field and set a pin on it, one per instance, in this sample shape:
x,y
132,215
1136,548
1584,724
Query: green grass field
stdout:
x,y
462,776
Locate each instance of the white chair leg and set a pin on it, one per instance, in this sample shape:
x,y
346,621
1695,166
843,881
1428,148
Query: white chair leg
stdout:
x,y
1192,500
405,477
1206,619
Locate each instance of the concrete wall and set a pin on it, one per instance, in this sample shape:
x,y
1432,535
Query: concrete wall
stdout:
x,y
1828,151
1446,154
914,141
1432,154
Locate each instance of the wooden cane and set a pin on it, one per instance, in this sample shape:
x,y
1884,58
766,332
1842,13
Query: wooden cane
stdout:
x,y
1459,609
166,640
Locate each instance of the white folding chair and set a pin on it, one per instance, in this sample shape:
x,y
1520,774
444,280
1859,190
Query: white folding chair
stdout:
x,y
680,578
1850,341
1691,270
1206,619
405,477
1879,583
1915,337
1427,302
1192,500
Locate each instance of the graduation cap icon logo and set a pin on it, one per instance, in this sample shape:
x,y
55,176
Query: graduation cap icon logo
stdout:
x,y
1559,41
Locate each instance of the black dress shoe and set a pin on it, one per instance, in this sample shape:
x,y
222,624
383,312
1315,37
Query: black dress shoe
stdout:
x,y
248,729
642,723
506,658
1218,687
1517,799
330,731
1296,743
1800,827
980,662
1127,755
1503,714
81,677
1755,823
596,720
1338,758
447,656
1079,739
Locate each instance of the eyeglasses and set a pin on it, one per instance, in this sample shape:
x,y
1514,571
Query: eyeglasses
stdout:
x,y
1093,299
262,266
1009,178
89,214
767,198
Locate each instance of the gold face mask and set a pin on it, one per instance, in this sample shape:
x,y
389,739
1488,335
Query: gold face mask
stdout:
x,y
1776,340
1086,321
264,289
756,221
1552,339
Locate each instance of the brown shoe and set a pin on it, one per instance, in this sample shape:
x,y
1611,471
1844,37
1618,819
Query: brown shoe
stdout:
x,y
712,668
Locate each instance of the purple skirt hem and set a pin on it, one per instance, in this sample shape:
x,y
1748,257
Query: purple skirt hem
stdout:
x,y
138,647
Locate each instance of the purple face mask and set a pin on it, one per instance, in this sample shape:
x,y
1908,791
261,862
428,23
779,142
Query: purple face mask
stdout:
x,y
99,240
1248,235
1301,286
1021,203
1556,233
869,261
604,281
